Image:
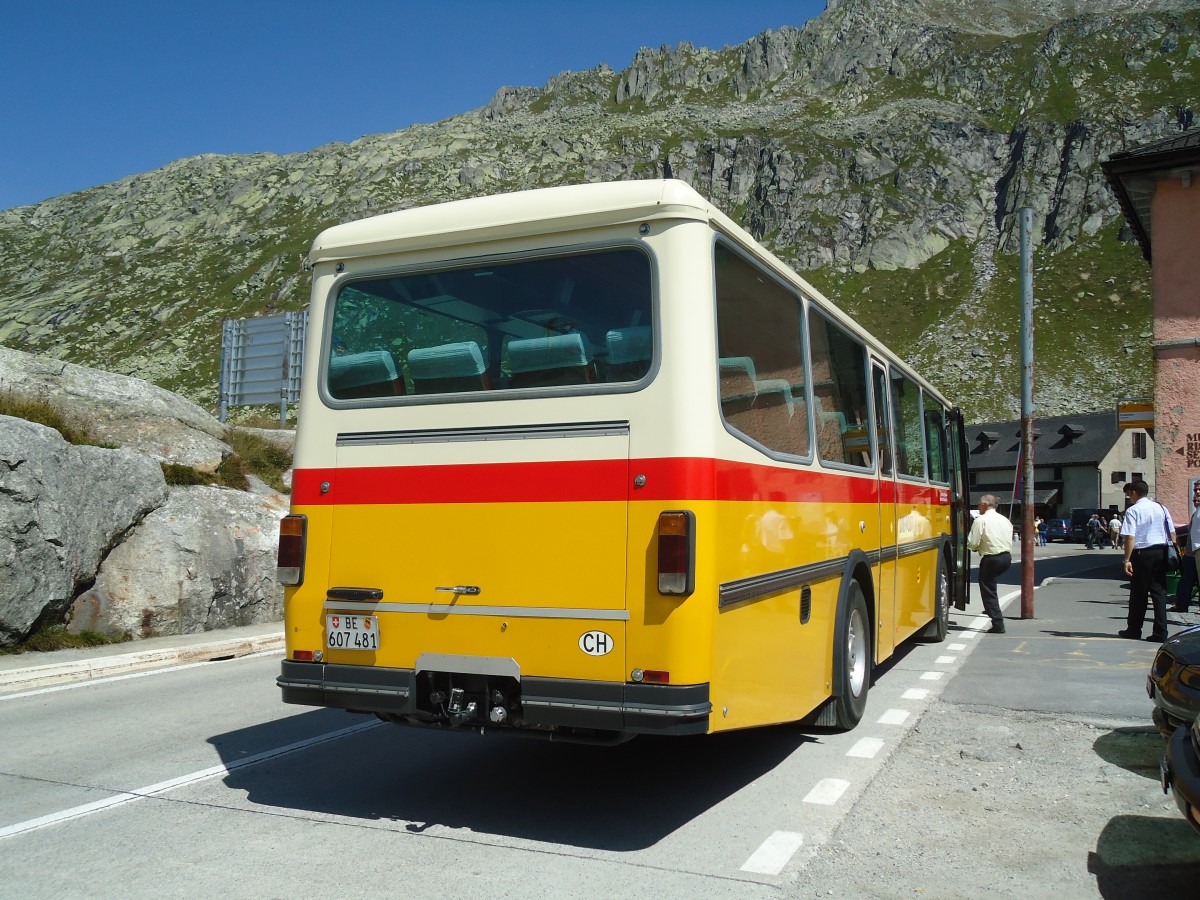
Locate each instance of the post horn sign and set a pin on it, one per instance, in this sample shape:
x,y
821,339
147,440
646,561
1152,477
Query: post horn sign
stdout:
x,y
1135,413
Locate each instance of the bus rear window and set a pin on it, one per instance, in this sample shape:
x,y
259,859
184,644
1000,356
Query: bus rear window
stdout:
x,y
563,322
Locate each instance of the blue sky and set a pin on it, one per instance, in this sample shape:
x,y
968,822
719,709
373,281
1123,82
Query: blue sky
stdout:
x,y
95,91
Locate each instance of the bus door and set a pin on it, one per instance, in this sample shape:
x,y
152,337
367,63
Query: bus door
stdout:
x,y
885,570
503,542
960,508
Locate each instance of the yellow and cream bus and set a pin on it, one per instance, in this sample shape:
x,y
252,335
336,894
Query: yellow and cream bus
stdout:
x,y
588,462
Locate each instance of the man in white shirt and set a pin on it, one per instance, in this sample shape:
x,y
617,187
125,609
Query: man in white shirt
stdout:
x,y
991,537
1189,576
1146,530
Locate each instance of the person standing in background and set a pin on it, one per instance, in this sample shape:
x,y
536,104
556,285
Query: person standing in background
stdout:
x,y
1114,531
1189,574
1146,530
991,537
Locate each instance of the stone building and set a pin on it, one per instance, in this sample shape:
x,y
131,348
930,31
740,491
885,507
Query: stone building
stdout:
x,y
1079,462
1155,185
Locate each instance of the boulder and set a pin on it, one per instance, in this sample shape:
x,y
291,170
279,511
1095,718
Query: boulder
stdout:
x,y
204,560
127,412
62,509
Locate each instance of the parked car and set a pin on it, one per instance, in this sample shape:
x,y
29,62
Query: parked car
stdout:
x,y
1174,686
1180,769
1058,530
1174,681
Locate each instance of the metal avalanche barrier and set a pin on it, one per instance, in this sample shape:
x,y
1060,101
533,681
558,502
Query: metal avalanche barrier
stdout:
x,y
261,361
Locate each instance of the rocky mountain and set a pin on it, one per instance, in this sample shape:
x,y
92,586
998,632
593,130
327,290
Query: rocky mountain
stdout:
x,y
882,149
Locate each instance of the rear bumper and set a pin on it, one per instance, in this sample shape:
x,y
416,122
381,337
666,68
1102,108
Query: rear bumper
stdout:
x,y
546,703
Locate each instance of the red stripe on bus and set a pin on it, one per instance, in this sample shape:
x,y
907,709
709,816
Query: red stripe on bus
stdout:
x,y
682,479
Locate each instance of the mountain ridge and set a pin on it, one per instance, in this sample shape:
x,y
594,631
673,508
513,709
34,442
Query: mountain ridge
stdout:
x,y
880,149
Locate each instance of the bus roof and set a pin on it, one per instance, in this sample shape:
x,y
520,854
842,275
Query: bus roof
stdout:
x,y
519,214
555,210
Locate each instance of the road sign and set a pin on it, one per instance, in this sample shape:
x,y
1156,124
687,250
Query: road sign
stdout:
x,y
1135,413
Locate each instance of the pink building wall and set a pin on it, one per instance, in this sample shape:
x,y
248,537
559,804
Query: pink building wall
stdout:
x,y
1175,212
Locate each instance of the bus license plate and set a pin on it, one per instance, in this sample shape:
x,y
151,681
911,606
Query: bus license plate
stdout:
x,y
344,632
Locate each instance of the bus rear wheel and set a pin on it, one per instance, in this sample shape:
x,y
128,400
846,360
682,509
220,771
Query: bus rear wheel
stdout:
x,y
855,675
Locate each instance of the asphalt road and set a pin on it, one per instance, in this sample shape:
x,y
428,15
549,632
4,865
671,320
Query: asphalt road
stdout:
x,y
195,779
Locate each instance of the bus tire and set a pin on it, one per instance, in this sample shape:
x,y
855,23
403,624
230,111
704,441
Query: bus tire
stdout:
x,y
855,676
935,632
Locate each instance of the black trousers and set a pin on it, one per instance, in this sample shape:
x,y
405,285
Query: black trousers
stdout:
x,y
990,568
1149,580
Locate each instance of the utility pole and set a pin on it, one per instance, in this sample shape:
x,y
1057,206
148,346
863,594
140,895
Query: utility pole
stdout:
x,y
1027,535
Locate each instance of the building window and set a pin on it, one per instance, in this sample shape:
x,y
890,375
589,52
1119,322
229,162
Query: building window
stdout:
x,y
1058,473
1118,477
1137,476
1139,445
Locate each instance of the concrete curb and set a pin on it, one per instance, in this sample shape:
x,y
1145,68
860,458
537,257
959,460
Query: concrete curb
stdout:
x,y
33,677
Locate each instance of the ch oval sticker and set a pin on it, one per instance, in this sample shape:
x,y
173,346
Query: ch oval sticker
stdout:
x,y
595,643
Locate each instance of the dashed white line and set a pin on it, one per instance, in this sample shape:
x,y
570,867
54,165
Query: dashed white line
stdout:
x,y
827,791
893,717
956,646
866,748
932,676
915,694
944,660
967,634
774,853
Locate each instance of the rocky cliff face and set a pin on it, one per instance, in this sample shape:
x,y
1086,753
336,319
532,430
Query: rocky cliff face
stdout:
x,y
882,149
94,537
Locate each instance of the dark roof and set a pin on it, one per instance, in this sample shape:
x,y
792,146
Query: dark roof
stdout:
x,y
1133,174
1040,495
1053,445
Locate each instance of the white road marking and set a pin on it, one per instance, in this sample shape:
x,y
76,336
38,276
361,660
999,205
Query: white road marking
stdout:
x,y
162,787
827,791
966,635
956,646
866,748
944,660
932,676
893,717
979,623
774,853
915,694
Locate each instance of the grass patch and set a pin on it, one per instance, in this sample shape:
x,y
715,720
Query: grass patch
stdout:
x,y
260,457
43,412
56,637
231,473
252,455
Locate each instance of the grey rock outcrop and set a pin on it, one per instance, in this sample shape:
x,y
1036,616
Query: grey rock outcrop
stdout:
x,y
94,538
202,561
62,510
120,410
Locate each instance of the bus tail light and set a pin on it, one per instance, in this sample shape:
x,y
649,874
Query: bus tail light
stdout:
x,y
677,553
293,533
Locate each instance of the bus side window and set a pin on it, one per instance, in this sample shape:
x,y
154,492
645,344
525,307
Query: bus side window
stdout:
x,y
760,327
907,425
840,393
882,437
935,440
